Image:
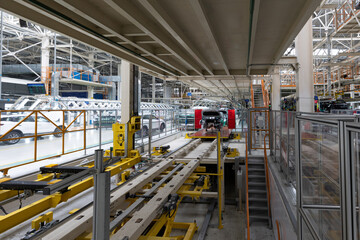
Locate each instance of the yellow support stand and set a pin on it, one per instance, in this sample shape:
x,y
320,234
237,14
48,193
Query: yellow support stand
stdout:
x,y
232,152
119,131
124,175
36,223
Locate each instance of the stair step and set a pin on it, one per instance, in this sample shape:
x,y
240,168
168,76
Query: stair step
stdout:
x,y
257,199
253,216
257,184
257,176
256,191
256,169
256,161
258,208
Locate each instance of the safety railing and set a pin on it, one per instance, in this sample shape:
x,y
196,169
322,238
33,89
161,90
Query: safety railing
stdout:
x,y
327,157
247,188
34,125
283,147
267,175
259,126
28,136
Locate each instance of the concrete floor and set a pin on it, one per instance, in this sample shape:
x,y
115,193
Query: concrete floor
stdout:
x,y
233,221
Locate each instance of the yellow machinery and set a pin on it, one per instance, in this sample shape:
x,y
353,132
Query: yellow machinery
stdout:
x,y
51,201
232,152
120,146
157,151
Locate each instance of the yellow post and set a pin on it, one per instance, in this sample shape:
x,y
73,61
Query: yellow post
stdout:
x,y
219,172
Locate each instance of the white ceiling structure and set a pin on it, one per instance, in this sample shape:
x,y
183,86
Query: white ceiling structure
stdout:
x,y
212,44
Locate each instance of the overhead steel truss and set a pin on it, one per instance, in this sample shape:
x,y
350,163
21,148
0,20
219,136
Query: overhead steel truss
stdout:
x,y
41,102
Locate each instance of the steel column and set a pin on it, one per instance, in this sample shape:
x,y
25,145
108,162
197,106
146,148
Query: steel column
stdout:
x,y
101,220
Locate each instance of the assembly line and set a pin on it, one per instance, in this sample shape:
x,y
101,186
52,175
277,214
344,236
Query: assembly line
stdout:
x,y
51,182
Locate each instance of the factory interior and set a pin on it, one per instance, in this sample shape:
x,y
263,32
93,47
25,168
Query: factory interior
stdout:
x,y
180,119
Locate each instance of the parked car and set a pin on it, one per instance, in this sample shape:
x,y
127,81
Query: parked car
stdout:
x,y
156,124
212,118
27,127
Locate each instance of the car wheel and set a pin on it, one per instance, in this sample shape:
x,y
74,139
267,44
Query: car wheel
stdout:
x,y
13,134
145,131
58,132
162,127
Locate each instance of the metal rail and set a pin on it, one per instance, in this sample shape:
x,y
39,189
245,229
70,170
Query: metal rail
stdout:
x,y
267,178
247,189
114,223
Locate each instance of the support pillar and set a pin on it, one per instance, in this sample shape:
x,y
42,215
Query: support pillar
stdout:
x,y
275,90
113,91
45,60
153,89
91,60
90,92
127,91
304,73
352,95
329,78
1,47
167,93
119,83
56,75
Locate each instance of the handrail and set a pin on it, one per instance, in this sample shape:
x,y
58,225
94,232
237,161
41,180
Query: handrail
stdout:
x,y
278,229
247,189
252,95
267,175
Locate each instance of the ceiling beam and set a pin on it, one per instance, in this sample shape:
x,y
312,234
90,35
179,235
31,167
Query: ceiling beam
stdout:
x,y
217,87
166,21
303,15
204,20
209,77
131,12
225,87
110,26
254,19
50,18
237,87
131,31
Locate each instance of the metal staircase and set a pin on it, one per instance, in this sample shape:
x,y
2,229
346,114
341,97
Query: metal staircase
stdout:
x,y
259,95
258,199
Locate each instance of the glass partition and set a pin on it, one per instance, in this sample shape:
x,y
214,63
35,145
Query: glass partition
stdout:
x,y
327,184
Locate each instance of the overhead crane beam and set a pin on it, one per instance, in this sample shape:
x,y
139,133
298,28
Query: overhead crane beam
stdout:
x,y
113,27
166,21
128,10
204,20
